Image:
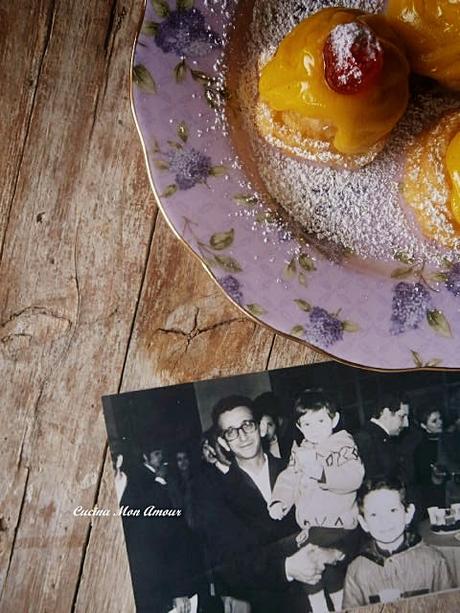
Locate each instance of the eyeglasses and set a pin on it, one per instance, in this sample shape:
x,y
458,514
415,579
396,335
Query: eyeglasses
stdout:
x,y
248,427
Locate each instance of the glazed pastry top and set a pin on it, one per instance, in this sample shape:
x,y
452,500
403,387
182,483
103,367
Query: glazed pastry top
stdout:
x,y
431,182
431,32
346,69
453,172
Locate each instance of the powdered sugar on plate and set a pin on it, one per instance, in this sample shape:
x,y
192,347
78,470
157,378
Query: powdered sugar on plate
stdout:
x,y
361,210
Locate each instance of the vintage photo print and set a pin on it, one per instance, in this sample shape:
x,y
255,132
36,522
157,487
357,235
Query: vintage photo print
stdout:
x,y
315,488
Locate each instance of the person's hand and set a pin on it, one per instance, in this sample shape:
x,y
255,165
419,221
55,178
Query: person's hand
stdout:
x,y
329,555
121,479
277,510
182,604
302,537
304,456
234,605
208,452
223,443
304,566
439,474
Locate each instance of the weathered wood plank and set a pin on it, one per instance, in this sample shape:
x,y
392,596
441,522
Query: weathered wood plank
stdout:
x,y
287,353
73,261
25,30
186,330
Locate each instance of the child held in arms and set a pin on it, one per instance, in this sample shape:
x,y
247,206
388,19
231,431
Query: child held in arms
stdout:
x,y
321,480
395,563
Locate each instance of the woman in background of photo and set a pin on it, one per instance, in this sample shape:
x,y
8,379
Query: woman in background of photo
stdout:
x,y
276,431
428,473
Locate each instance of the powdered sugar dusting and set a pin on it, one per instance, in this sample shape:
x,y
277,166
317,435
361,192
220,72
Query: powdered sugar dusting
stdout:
x,y
361,210
342,39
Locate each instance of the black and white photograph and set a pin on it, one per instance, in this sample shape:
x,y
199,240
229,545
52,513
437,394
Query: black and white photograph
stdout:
x,y
306,489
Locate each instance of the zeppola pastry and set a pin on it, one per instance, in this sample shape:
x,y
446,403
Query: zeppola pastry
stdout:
x,y
431,182
338,82
430,30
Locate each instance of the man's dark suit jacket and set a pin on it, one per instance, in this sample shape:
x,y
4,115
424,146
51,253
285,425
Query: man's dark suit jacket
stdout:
x,y
380,452
247,548
163,556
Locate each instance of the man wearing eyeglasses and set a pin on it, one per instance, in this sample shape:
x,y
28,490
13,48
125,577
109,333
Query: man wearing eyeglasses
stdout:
x,y
258,558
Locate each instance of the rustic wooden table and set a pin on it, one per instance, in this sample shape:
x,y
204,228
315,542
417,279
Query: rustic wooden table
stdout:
x,y
97,296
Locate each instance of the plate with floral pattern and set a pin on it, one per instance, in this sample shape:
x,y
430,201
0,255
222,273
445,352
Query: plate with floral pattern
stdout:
x,y
408,318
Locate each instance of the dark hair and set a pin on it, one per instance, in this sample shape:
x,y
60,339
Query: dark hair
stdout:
x,y
381,483
267,403
425,409
314,399
228,404
388,400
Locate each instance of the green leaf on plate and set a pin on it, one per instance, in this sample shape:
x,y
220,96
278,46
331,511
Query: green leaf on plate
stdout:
x,y
440,276
228,263
182,131
303,304
434,362
161,7
290,270
143,79
161,164
169,191
184,5
255,309
306,262
437,320
401,273
403,257
417,359
246,199
297,331
222,240
180,71
201,77
150,28
302,278
211,262
175,145
218,171
349,326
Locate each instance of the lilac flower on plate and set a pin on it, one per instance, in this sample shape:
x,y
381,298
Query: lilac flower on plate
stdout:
x,y
410,305
323,328
189,166
233,288
184,33
453,279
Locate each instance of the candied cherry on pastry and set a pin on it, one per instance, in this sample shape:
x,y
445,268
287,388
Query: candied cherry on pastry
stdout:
x,y
430,30
341,75
353,58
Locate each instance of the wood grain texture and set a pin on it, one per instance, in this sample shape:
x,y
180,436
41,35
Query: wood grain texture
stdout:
x,y
74,252
96,295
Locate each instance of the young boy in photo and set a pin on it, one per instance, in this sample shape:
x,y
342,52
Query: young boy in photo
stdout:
x,y
322,478
395,563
